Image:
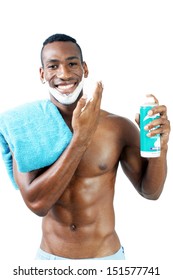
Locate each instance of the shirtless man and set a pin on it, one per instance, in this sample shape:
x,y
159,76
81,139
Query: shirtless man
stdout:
x,y
75,194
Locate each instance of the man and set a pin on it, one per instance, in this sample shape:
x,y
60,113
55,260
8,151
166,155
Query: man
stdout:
x,y
75,194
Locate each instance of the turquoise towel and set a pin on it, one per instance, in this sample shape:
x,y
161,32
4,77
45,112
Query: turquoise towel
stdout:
x,y
36,134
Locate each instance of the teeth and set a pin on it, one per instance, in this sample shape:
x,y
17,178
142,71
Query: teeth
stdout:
x,y
63,87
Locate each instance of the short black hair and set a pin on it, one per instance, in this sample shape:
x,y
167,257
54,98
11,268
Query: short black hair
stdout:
x,y
58,37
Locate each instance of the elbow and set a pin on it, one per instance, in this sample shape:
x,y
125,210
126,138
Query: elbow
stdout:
x,y
150,193
37,205
41,212
37,208
155,196
151,196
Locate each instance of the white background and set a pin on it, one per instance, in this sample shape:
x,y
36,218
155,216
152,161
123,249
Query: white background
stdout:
x,y
129,46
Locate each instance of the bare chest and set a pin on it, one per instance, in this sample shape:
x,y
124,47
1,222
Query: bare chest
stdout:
x,y
101,156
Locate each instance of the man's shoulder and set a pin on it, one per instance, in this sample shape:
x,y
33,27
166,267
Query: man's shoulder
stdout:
x,y
114,118
118,129
117,124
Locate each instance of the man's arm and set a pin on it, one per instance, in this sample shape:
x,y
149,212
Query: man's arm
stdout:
x,y
41,190
155,176
147,175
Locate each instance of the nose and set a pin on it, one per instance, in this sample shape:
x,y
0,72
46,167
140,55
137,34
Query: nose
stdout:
x,y
63,72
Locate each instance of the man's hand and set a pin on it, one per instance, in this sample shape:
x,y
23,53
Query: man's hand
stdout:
x,y
86,116
163,123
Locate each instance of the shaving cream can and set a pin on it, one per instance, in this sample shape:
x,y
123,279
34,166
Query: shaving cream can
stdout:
x,y
149,146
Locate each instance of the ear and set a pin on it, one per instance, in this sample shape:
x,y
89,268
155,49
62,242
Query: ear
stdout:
x,y
85,68
42,78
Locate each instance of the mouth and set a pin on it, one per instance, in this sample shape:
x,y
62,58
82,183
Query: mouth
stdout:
x,y
66,92
66,88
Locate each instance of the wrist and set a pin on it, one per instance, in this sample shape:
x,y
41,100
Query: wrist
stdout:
x,y
79,143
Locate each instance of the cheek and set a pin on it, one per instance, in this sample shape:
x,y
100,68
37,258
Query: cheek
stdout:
x,y
49,76
77,72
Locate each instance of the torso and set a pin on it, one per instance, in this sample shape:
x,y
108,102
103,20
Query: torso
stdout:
x,y
82,223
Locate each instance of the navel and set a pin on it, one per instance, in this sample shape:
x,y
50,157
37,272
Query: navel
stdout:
x,y
73,227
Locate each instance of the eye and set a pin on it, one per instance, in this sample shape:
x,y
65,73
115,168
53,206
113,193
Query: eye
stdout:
x,y
73,64
53,67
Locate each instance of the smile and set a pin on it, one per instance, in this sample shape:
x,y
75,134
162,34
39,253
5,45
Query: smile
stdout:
x,y
66,93
66,88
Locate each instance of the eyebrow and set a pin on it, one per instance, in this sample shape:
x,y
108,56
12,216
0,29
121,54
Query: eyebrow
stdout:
x,y
68,58
72,57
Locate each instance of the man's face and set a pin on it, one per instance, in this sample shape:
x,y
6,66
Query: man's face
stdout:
x,y
62,66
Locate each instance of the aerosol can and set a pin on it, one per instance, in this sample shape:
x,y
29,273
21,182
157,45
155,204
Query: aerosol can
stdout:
x,y
149,146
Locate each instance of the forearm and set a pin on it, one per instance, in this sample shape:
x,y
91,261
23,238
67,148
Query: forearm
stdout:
x,y
155,176
42,192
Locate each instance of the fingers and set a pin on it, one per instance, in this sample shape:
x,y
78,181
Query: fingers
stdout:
x,y
160,125
80,106
93,103
97,95
98,90
153,96
161,110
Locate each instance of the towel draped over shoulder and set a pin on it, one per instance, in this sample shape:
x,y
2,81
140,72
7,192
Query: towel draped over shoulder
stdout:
x,y
35,133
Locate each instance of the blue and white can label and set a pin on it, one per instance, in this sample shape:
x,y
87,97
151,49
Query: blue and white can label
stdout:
x,y
149,146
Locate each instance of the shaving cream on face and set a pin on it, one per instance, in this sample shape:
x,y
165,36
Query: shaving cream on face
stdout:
x,y
66,99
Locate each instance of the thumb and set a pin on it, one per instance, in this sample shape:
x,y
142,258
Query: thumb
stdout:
x,y
137,118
